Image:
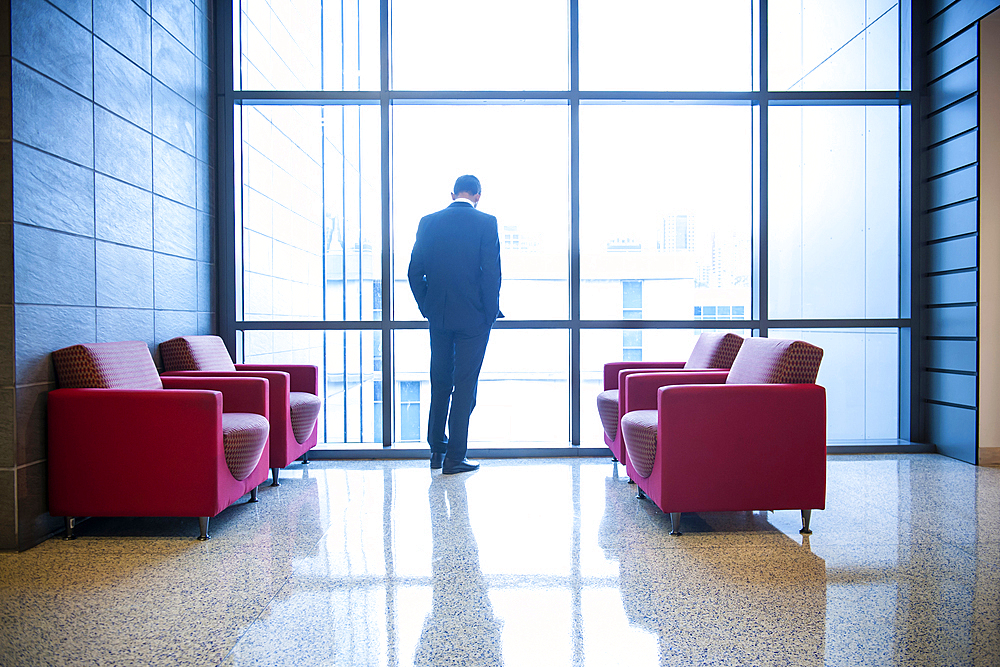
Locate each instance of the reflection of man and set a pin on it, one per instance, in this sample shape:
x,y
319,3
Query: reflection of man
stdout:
x,y
461,628
454,275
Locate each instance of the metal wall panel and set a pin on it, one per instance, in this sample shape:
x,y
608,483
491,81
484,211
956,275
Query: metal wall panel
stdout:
x,y
953,388
953,288
935,7
957,84
949,428
952,221
954,153
951,321
952,121
951,255
952,187
952,54
954,355
957,18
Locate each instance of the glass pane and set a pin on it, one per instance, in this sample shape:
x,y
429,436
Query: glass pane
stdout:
x,y
843,45
860,371
455,45
665,200
656,45
632,338
521,156
311,213
834,212
523,394
600,346
350,367
309,45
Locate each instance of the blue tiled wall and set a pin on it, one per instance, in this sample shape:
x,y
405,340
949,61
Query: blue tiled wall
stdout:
x,y
107,222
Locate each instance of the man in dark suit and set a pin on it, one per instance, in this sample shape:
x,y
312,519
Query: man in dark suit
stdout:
x,y
454,275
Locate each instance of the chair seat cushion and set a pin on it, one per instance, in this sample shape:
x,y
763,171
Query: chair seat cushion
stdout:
x,y
639,434
243,437
607,408
304,409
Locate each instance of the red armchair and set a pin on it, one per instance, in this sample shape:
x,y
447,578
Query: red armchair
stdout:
x,y
123,442
294,392
750,439
711,350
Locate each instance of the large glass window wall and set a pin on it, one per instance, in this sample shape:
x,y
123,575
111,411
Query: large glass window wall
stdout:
x,y
652,180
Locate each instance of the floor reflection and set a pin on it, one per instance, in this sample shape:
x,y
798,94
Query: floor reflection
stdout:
x,y
526,562
708,604
461,628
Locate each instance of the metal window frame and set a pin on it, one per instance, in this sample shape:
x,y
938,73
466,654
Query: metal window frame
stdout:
x,y
229,99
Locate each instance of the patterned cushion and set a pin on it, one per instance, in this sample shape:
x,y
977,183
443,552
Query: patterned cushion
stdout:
x,y
639,434
119,365
196,353
775,361
304,408
607,408
243,438
714,350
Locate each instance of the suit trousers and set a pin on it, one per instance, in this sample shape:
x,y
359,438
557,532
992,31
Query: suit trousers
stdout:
x,y
456,359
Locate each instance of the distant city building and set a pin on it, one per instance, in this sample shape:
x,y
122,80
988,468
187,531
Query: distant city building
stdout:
x,y
677,233
513,239
624,245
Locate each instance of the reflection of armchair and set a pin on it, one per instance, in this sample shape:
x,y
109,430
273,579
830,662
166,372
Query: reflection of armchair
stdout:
x,y
724,604
294,388
711,350
750,439
121,444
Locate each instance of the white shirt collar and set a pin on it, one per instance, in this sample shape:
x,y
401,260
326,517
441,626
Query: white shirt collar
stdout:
x,y
467,201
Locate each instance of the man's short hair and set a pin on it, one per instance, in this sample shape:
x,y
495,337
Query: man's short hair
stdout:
x,y
467,183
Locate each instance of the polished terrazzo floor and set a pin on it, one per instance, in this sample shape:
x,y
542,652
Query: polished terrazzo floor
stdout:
x,y
525,562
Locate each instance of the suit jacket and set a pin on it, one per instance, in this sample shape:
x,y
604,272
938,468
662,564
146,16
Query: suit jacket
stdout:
x,y
454,270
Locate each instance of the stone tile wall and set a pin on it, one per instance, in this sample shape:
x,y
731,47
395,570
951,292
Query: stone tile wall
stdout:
x,y
107,155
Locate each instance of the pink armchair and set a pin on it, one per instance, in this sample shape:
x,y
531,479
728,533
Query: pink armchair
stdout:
x,y
750,439
711,350
123,442
294,392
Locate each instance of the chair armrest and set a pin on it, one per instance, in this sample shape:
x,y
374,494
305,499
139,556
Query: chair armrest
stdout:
x,y
641,388
277,382
239,394
611,369
303,377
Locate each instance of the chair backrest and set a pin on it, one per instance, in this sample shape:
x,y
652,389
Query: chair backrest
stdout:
x,y
714,350
775,361
119,365
195,353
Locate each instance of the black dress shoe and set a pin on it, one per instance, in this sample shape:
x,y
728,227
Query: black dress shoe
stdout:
x,y
436,460
450,467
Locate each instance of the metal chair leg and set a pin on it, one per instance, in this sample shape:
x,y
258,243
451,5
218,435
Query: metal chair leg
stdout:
x,y
305,459
253,495
675,523
70,523
806,515
203,525
274,477
640,494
